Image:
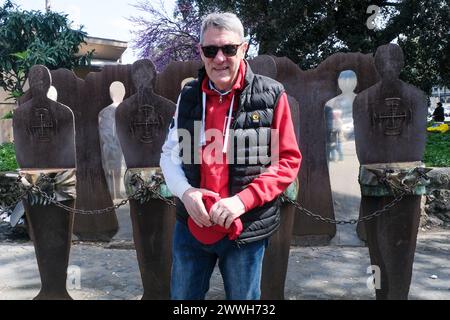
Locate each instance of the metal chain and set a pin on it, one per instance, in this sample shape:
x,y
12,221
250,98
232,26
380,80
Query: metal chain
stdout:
x,y
80,211
398,193
153,189
135,196
164,199
158,181
377,213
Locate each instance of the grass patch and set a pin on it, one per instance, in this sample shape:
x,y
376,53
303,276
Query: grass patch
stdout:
x,y
8,115
437,151
8,157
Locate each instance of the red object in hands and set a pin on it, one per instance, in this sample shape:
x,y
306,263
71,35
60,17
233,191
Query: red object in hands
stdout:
x,y
211,235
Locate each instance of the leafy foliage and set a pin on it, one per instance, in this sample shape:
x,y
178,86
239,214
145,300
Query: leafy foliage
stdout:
x,y
163,37
33,37
8,157
9,192
8,115
309,31
437,152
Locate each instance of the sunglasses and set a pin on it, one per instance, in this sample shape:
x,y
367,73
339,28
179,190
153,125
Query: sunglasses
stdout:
x,y
228,50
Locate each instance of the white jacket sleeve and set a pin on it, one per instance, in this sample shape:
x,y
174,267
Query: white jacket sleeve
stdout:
x,y
170,161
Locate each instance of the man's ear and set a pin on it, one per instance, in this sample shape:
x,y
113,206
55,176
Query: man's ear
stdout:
x,y
244,49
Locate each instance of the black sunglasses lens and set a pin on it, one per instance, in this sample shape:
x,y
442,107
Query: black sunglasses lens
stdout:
x,y
229,50
210,51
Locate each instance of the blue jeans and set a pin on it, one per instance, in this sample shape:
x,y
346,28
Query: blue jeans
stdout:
x,y
193,264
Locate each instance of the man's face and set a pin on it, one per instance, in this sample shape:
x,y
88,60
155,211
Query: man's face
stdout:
x,y
222,70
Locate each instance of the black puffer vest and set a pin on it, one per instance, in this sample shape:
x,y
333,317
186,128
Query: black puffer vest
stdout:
x,y
252,125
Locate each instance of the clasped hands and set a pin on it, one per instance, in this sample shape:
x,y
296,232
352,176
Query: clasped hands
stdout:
x,y
222,213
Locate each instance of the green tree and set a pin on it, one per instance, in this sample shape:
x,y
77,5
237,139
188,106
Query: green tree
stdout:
x,y
33,37
309,31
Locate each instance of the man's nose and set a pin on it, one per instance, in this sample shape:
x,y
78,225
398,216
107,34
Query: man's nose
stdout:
x,y
220,57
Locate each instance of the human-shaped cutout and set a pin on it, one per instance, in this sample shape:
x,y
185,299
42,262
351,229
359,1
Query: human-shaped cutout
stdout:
x,y
112,156
343,163
142,122
45,143
390,123
312,89
339,116
52,93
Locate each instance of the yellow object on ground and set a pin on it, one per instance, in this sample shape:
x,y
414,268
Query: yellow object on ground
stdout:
x,y
438,127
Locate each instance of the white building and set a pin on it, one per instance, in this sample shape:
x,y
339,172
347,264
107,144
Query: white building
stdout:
x,y
441,94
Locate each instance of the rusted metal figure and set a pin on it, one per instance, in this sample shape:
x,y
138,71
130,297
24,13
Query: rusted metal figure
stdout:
x,y
390,123
45,140
312,89
86,98
142,122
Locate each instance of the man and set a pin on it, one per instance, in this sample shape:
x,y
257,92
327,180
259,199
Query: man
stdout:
x,y
438,114
229,189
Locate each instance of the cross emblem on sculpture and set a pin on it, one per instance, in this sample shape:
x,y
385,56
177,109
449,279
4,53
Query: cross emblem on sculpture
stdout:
x,y
41,127
395,117
145,124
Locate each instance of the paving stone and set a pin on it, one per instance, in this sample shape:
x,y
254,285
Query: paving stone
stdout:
x,y
330,272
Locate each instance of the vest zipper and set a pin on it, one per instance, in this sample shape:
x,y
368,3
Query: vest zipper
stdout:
x,y
238,111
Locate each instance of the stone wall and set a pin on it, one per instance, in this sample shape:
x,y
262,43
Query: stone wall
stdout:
x,y
437,205
6,133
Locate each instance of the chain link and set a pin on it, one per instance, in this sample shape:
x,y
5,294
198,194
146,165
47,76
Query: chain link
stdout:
x,y
153,189
81,211
398,193
317,217
134,196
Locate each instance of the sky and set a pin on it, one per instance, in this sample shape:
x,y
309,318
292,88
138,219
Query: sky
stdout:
x,y
101,18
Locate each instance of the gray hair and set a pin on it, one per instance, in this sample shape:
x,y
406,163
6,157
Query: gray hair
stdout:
x,y
223,20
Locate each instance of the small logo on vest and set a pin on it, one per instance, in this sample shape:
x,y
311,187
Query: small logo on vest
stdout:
x,y
255,118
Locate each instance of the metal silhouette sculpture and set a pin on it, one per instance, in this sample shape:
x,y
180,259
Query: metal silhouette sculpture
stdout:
x,y
86,98
167,82
142,121
312,89
45,143
390,123
343,164
93,192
